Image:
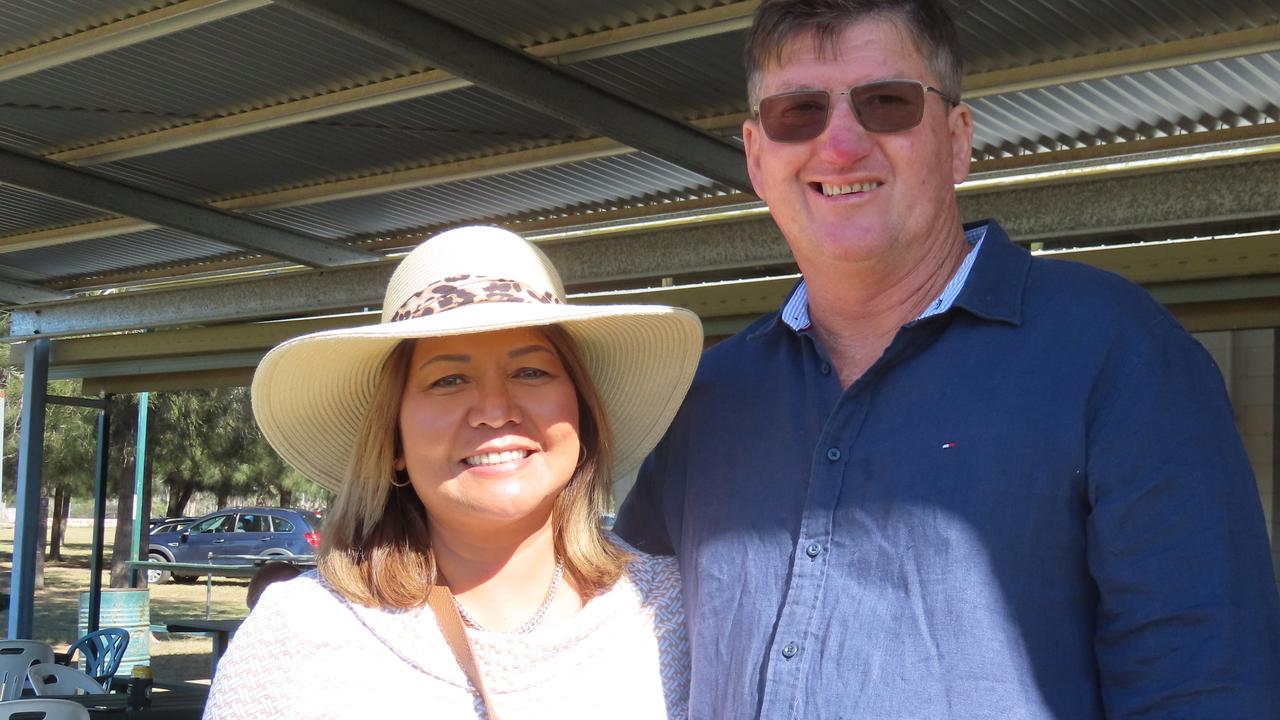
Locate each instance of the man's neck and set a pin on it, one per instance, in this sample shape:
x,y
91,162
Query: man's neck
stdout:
x,y
857,310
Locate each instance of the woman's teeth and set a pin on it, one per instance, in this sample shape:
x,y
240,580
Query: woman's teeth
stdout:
x,y
829,189
496,458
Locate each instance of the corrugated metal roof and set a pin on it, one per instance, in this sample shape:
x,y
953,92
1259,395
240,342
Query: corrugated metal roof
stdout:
x,y
463,124
25,23
23,211
523,24
1210,93
112,254
267,56
592,183
236,63
1000,34
697,78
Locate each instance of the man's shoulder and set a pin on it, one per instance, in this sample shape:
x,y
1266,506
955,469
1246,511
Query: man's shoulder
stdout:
x,y
1065,291
737,351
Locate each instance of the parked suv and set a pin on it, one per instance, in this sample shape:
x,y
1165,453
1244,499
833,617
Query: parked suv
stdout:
x,y
251,531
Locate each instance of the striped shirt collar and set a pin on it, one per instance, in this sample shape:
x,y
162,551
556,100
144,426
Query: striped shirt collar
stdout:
x,y
796,312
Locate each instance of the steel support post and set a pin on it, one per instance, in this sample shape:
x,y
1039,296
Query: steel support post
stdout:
x,y
139,483
22,583
99,513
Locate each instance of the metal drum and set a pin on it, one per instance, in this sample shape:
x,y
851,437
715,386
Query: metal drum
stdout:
x,y
127,608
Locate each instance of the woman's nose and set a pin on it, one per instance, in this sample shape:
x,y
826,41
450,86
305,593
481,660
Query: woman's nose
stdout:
x,y
494,406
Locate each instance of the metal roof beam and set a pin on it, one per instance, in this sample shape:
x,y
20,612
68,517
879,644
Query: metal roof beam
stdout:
x,y
639,36
1176,53
532,83
20,293
120,33
91,190
1089,206
585,150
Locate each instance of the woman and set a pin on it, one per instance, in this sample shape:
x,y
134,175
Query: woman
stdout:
x,y
471,437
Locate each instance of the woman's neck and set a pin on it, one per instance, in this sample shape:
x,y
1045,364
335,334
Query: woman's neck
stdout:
x,y
502,578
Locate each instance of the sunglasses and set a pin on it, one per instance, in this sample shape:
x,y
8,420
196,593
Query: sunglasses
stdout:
x,y
885,106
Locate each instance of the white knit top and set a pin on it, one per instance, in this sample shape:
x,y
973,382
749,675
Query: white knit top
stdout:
x,y
305,652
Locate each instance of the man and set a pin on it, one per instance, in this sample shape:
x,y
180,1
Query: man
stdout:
x,y
946,480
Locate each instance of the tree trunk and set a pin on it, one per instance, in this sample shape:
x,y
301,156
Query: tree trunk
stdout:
x,y
286,497
223,497
41,540
123,540
180,492
59,524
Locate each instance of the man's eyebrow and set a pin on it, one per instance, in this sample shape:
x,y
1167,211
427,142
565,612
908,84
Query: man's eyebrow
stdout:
x,y
529,350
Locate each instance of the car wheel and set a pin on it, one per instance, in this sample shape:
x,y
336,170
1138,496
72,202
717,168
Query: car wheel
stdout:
x,y
157,576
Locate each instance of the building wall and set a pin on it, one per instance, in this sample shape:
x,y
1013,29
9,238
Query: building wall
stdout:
x,y
1248,362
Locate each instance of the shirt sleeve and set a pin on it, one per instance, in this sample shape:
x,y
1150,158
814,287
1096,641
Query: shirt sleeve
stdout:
x,y
640,519
1188,621
252,680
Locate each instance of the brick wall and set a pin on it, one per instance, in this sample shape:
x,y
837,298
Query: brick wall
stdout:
x,y
1248,361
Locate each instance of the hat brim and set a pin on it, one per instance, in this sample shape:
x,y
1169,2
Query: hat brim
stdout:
x,y
310,393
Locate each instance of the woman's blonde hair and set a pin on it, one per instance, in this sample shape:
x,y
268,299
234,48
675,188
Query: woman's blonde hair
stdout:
x,y
376,545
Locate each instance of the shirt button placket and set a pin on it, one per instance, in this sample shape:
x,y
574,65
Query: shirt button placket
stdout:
x,y
813,551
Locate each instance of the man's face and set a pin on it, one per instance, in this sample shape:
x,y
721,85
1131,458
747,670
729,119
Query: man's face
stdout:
x,y
903,182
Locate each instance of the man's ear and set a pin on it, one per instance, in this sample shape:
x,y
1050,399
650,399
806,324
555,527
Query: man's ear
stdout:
x,y
960,124
752,138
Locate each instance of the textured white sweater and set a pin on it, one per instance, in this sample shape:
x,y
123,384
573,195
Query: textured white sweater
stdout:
x,y
305,652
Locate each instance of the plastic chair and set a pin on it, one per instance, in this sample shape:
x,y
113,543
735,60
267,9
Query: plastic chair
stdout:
x,y
54,679
44,708
103,650
15,657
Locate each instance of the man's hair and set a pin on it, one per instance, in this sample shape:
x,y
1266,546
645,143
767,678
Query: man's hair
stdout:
x,y
274,571
927,22
376,545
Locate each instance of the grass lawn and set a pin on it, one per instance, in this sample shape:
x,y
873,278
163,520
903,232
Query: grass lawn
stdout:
x,y
57,606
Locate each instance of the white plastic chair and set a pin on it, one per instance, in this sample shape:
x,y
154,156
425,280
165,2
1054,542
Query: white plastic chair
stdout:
x,y
15,657
51,679
52,709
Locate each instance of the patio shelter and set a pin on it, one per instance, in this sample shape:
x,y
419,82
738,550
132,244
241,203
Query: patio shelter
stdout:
x,y
184,183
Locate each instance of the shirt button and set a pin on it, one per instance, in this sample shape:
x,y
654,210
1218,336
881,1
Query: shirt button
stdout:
x,y
826,368
833,454
790,650
813,550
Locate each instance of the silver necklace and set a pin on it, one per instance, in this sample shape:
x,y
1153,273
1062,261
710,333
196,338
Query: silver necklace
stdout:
x,y
538,614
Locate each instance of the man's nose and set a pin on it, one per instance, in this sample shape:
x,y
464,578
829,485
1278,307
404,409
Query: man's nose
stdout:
x,y
494,406
844,139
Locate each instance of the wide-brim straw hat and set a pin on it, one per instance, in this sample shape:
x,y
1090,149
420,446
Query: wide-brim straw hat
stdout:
x,y
310,393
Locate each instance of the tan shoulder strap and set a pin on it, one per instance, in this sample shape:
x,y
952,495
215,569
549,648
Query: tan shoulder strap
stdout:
x,y
450,622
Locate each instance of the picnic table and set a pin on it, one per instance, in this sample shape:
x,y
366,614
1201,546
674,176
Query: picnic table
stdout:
x,y
220,630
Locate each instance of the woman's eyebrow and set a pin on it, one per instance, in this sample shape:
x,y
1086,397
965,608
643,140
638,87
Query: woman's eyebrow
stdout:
x,y
529,350
445,358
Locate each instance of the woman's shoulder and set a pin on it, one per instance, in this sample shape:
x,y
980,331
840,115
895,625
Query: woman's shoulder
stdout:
x,y
655,577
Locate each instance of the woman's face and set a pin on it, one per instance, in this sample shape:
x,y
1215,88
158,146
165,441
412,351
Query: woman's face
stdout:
x,y
488,426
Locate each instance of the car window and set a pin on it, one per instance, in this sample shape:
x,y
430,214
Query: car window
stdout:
x,y
167,527
217,523
313,519
281,525
252,522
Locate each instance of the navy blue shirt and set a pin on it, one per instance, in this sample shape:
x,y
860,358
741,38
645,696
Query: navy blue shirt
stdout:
x,y
1033,505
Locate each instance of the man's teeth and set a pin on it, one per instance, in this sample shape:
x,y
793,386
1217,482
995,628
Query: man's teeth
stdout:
x,y
496,458
828,189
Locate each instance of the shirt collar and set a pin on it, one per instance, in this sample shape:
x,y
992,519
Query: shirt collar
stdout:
x,y
988,283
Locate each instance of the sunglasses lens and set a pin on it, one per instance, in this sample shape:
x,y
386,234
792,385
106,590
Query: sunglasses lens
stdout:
x,y
890,106
794,117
